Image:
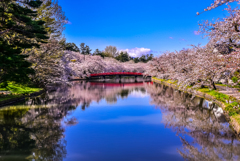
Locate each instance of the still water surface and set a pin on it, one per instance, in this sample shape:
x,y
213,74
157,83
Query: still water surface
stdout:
x,y
94,121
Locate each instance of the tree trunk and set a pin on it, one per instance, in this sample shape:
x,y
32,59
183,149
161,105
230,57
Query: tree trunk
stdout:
x,y
213,85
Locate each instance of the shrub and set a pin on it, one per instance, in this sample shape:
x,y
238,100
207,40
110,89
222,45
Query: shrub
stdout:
x,y
234,79
233,109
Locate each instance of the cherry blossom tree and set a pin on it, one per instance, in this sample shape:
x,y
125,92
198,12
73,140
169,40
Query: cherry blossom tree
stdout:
x,y
77,66
195,67
45,62
223,31
218,3
206,65
52,65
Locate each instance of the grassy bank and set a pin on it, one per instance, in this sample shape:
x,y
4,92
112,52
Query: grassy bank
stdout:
x,y
230,105
16,90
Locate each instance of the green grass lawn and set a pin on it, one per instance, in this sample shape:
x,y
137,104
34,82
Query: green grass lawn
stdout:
x,y
219,96
168,81
17,90
237,117
223,85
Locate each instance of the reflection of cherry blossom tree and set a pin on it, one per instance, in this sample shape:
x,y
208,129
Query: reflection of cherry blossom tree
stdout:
x,y
36,133
36,129
184,114
83,93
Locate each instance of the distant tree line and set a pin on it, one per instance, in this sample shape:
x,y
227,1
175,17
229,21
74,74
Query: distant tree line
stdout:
x,y
110,51
32,46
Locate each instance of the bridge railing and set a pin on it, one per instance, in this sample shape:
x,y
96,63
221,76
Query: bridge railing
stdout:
x,y
116,73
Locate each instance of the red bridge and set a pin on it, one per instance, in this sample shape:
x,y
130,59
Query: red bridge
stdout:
x,y
118,84
116,74
120,74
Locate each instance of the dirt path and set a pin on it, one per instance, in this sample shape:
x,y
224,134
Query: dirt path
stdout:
x,y
234,92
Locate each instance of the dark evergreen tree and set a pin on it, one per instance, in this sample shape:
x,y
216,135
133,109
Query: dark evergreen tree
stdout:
x,y
123,57
88,50
98,52
143,59
136,60
85,50
51,12
149,57
71,47
146,58
19,30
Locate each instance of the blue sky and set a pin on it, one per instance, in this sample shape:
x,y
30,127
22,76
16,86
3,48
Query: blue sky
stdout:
x,y
154,24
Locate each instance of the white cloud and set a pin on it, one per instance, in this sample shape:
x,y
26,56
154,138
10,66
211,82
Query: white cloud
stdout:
x,y
146,119
137,52
139,94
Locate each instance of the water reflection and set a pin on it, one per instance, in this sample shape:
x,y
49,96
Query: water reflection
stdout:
x,y
28,134
36,129
212,139
84,93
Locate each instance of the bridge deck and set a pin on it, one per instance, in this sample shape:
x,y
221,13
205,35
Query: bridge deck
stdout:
x,y
116,73
117,84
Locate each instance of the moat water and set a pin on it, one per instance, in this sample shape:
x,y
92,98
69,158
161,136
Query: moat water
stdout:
x,y
110,121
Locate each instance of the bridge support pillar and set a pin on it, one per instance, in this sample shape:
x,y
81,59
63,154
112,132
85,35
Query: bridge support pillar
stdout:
x,y
135,78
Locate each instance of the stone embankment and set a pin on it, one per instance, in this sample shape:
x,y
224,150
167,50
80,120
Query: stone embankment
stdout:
x,y
234,123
